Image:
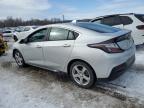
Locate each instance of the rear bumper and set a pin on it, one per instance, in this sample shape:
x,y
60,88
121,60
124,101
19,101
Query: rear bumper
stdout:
x,y
120,69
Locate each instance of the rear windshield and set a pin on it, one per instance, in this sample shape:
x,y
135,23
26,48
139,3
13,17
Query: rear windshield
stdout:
x,y
98,27
140,17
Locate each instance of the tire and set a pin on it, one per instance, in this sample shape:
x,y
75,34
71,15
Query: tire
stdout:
x,y
19,59
82,74
15,38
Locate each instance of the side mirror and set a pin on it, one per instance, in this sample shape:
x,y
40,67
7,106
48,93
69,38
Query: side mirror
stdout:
x,y
24,41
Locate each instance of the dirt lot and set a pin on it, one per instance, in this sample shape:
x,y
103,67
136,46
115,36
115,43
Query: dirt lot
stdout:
x,y
32,87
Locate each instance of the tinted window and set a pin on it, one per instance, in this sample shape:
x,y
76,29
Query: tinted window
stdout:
x,y
76,34
58,34
38,36
98,27
140,17
97,21
71,36
7,32
112,21
126,20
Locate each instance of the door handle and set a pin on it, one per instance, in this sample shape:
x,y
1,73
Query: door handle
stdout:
x,y
66,45
38,46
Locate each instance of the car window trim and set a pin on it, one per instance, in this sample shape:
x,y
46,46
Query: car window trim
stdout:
x,y
36,32
67,35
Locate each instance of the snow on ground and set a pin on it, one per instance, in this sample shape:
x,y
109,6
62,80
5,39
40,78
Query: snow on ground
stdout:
x,y
37,88
133,78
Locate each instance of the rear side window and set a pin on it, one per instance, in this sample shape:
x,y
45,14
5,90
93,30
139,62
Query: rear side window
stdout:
x,y
98,27
126,20
57,34
111,21
140,17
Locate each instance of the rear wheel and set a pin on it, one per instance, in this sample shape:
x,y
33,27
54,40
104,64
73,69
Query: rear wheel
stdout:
x,y
19,59
82,74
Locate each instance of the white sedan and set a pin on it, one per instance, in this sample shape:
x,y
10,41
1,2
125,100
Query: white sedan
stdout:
x,y
23,31
86,51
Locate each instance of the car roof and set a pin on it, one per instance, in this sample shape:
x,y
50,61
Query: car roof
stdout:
x,y
69,26
112,15
76,27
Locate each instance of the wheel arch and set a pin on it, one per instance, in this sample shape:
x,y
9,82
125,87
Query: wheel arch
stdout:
x,y
14,51
74,60
15,38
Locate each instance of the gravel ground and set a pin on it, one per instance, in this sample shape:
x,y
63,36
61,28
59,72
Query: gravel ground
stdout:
x,y
32,87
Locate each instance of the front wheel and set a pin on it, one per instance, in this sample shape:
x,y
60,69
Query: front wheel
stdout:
x,y
82,74
19,59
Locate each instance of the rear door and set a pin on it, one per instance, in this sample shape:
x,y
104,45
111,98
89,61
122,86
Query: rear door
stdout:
x,y
58,48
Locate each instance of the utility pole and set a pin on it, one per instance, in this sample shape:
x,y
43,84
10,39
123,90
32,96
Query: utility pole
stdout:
x,y
63,17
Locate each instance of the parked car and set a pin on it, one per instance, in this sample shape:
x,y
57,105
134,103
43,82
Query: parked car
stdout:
x,y
23,31
131,21
8,34
86,51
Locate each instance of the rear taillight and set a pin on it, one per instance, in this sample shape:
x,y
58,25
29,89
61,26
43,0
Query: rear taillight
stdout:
x,y
107,46
115,45
140,27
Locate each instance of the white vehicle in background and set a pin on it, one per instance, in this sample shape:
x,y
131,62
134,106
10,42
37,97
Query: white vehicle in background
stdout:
x,y
23,31
131,21
8,34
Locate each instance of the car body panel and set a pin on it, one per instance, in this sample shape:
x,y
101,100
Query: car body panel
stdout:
x,y
54,55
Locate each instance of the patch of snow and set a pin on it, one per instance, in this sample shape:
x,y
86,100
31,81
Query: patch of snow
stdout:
x,y
133,78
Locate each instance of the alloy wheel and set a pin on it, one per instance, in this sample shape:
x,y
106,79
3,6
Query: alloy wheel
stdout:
x,y
81,75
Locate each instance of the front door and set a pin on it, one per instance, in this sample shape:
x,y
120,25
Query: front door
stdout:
x,y
33,49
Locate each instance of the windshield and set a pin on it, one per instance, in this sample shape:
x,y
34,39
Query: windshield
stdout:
x,y
98,27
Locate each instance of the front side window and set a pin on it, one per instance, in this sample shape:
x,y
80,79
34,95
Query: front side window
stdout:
x,y
58,34
38,36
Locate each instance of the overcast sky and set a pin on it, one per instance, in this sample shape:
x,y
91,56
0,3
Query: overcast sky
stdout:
x,y
72,9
